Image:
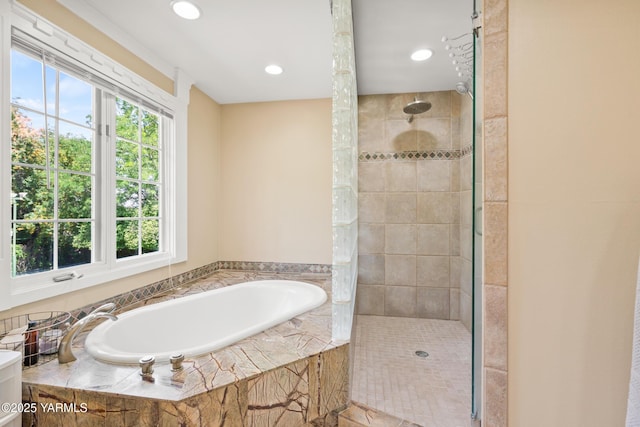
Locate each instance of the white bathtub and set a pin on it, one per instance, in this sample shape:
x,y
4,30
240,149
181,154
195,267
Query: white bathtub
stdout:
x,y
201,323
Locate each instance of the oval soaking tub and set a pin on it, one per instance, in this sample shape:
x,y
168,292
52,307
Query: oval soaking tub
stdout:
x,y
201,323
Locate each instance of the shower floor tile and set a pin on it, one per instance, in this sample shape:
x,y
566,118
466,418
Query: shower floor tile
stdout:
x,y
434,391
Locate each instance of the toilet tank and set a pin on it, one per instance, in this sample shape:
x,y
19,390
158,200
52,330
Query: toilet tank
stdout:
x,y
10,388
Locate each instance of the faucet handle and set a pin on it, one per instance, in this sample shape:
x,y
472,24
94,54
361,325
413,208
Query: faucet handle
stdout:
x,y
146,366
176,362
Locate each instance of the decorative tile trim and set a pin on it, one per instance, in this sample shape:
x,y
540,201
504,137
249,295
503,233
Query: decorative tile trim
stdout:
x,y
154,289
274,267
416,155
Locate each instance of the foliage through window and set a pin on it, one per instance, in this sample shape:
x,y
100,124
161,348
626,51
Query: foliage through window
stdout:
x,y
137,184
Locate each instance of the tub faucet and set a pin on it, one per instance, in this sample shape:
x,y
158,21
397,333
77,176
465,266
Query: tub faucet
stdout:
x,y
65,355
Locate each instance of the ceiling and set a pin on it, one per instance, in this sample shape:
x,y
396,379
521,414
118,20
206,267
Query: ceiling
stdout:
x,y
226,50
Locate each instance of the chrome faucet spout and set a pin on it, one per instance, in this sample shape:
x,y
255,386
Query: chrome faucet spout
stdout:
x,y
65,355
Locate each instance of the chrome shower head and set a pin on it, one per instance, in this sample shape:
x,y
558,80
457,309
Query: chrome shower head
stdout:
x,y
418,106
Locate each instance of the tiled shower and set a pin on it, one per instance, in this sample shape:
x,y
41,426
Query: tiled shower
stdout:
x,y
415,207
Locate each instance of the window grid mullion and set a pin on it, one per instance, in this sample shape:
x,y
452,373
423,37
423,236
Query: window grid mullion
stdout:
x,y
109,178
139,143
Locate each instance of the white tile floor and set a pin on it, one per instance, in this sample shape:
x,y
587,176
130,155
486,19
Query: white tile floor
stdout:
x,y
388,376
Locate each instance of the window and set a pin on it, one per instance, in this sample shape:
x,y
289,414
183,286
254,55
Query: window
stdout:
x,y
95,167
53,174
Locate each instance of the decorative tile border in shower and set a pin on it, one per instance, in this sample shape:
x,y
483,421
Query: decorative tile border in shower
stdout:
x,y
165,285
416,155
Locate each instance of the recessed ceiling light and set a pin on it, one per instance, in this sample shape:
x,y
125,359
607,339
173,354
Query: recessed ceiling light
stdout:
x,y
273,69
421,54
185,9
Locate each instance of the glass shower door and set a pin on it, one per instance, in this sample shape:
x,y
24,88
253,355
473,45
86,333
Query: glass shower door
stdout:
x,y
476,374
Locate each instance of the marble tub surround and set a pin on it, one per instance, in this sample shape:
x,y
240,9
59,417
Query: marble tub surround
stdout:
x,y
297,356
359,415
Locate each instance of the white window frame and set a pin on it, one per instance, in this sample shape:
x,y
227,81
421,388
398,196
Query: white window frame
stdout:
x,y
22,290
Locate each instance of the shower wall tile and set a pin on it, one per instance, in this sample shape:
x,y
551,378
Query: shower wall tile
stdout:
x,y
495,326
371,269
495,257
455,176
433,133
466,236
370,131
435,208
455,267
466,207
371,207
441,104
400,176
455,133
466,174
433,271
400,208
370,108
456,99
495,82
400,270
371,136
466,121
409,196
495,399
466,272
394,105
369,178
370,299
433,303
454,304
371,238
465,310
433,239
455,207
400,239
495,16
495,140
400,136
434,175
400,301
495,242
455,239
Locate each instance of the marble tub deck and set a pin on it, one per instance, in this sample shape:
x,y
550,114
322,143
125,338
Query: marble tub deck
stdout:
x,y
291,374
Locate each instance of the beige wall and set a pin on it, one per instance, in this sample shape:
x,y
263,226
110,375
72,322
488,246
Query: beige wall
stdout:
x,y
203,178
276,179
574,209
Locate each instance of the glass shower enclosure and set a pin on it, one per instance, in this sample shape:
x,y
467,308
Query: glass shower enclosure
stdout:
x,y
476,366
